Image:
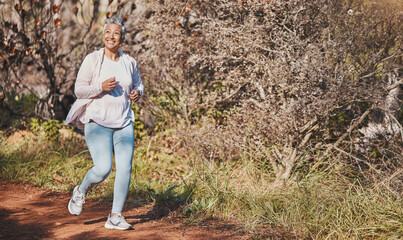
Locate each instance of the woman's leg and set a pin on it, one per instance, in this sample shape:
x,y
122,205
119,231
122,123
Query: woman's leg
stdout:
x,y
123,141
99,143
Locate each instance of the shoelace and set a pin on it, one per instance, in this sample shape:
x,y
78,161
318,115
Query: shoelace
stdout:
x,y
119,218
80,198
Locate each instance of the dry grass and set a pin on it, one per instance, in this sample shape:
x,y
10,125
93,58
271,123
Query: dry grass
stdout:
x,y
319,205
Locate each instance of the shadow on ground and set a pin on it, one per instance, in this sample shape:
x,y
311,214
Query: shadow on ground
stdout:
x,y
11,229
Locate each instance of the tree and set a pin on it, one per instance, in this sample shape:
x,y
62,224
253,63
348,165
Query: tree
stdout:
x,y
43,45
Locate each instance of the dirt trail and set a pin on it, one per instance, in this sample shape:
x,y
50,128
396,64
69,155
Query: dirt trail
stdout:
x,y
28,212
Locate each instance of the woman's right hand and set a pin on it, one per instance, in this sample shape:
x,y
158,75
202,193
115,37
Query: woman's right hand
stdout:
x,y
109,84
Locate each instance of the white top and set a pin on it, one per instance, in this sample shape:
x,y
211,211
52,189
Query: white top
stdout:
x,y
88,89
113,109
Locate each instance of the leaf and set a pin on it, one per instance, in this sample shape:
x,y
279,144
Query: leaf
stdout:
x,y
28,51
75,10
56,8
12,50
17,7
58,22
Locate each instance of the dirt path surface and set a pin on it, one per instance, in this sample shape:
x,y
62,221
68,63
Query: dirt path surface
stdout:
x,y
28,212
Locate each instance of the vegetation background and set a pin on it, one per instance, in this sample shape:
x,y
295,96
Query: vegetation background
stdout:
x,y
284,117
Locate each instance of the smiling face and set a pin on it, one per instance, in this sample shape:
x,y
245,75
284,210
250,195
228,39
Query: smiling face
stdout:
x,y
112,36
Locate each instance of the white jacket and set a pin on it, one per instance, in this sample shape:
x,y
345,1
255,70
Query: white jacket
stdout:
x,y
88,85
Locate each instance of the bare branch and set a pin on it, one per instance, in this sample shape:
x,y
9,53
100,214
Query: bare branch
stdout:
x,y
395,85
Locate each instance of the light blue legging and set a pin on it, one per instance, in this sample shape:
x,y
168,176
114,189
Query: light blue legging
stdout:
x,y
102,142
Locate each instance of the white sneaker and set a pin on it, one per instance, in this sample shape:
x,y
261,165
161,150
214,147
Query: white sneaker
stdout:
x,y
117,221
76,202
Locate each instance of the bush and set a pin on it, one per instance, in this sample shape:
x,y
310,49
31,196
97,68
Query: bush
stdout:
x,y
287,81
49,128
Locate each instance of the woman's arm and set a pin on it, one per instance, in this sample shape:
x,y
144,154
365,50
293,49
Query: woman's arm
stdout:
x,y
136,79
84,87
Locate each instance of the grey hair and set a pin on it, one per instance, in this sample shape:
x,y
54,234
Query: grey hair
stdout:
x,y
117,21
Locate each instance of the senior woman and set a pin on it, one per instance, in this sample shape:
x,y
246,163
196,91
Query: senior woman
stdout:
x,y
107,83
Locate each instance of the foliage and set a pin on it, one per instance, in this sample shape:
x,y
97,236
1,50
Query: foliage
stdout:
x,y
22,104
50,128
139,128
43,161
14,107
276,78
30,44
273,72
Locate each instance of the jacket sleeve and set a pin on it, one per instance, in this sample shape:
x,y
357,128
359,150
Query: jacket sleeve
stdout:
x,y
136,79
84,87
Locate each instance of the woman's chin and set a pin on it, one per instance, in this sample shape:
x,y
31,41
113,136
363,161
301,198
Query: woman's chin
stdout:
x,y
111,47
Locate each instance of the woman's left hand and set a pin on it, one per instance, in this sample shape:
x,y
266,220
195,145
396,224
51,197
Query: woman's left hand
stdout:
x,y
134,95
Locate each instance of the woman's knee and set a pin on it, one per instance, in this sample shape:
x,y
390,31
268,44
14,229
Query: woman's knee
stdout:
x,y
102,171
